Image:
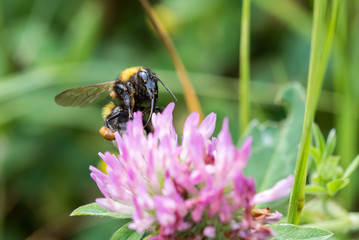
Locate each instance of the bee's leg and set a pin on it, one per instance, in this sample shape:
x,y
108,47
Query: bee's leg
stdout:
x,y
131,93
125,93
110,117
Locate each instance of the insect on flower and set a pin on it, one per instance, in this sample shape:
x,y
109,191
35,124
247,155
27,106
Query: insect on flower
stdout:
x,y
135,87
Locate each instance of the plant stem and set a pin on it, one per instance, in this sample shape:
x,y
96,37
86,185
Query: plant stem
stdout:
x,y
190,96
317,67
3,153
244,48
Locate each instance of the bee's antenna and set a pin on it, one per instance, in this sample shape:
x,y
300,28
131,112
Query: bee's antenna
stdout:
x,y
168,89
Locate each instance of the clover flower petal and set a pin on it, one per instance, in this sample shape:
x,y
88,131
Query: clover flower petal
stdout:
x,y
209,231
279,190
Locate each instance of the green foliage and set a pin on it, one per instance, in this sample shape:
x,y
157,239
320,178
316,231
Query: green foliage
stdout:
x,y
293,232
94,209
330,215
274,146
124,233
346,121
326,179
328,176
290,13
323,32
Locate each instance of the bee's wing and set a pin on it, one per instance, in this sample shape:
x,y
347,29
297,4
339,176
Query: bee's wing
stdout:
x,y
84,96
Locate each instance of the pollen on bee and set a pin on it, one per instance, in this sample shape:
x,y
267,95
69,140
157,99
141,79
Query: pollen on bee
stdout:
x,y
113,94
107,133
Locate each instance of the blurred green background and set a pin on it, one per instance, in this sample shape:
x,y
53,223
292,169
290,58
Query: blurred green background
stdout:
x,y
49,46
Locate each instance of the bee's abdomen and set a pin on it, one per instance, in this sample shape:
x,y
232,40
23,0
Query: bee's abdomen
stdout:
x,y
107,109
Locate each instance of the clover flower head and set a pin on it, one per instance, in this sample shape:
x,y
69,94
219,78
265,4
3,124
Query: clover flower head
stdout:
x,y
189,191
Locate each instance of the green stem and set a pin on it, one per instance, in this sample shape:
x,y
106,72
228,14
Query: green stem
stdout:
x,y
317,67
3,147
329,37
2,201
244,90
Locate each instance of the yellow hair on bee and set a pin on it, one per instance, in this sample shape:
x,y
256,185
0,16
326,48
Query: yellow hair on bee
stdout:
x,y
127,73
107,109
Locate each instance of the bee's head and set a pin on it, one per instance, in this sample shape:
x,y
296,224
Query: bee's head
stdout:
x,y
149,80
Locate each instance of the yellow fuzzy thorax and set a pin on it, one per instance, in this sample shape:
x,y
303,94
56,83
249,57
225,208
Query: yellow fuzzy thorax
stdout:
x,y
127,73
107,109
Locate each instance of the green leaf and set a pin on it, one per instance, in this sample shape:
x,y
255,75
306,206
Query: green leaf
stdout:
x,y
351,168
124,233
330,146
316,156
94,209
293,232
330,168
318,139
147,237
315,189
275,145
334,186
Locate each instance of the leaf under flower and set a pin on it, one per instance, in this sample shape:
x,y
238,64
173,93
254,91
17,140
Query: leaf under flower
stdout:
x,y
294,232
94,209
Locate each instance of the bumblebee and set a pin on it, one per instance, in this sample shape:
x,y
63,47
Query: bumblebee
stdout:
x,y
135,87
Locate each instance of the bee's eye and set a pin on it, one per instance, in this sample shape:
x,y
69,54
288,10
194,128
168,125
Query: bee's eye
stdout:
x,y
143,75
